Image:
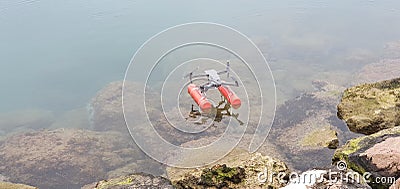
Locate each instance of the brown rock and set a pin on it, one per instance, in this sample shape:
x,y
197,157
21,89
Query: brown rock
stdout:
x,y
106,106
384,157
64,157
376,154
396,185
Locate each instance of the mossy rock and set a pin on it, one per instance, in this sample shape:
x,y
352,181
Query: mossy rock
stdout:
x,y
369,108
218,176
221,175
239,169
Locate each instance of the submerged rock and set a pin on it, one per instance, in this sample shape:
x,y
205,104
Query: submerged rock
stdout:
x,y
324,137
65,158
8,185
306,128
29,119
137,181
106,107
377,154
392,50
383,70
75,118
3,178
239,169
369,108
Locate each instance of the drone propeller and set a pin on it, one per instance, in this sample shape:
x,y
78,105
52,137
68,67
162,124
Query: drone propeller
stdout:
x,y
191,73
235,83
227,69
235,80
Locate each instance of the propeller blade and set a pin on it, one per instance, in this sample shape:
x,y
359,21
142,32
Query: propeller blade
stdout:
x,y
235,80
227,68
191,73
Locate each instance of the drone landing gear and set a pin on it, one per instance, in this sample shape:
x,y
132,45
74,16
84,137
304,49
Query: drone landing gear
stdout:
x,y
194,113
217,113
226,108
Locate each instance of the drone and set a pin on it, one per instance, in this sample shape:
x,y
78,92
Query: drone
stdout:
x,y
214,81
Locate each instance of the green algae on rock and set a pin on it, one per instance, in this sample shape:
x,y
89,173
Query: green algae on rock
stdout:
x,y
324,137
231,173
369,108
218,176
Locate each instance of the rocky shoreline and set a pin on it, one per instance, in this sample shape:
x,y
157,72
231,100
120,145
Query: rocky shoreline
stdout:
x,y
75,154
353,131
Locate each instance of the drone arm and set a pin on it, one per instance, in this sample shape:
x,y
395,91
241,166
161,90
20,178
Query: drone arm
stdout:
x,y
200,75
194,77
235,84
222,72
